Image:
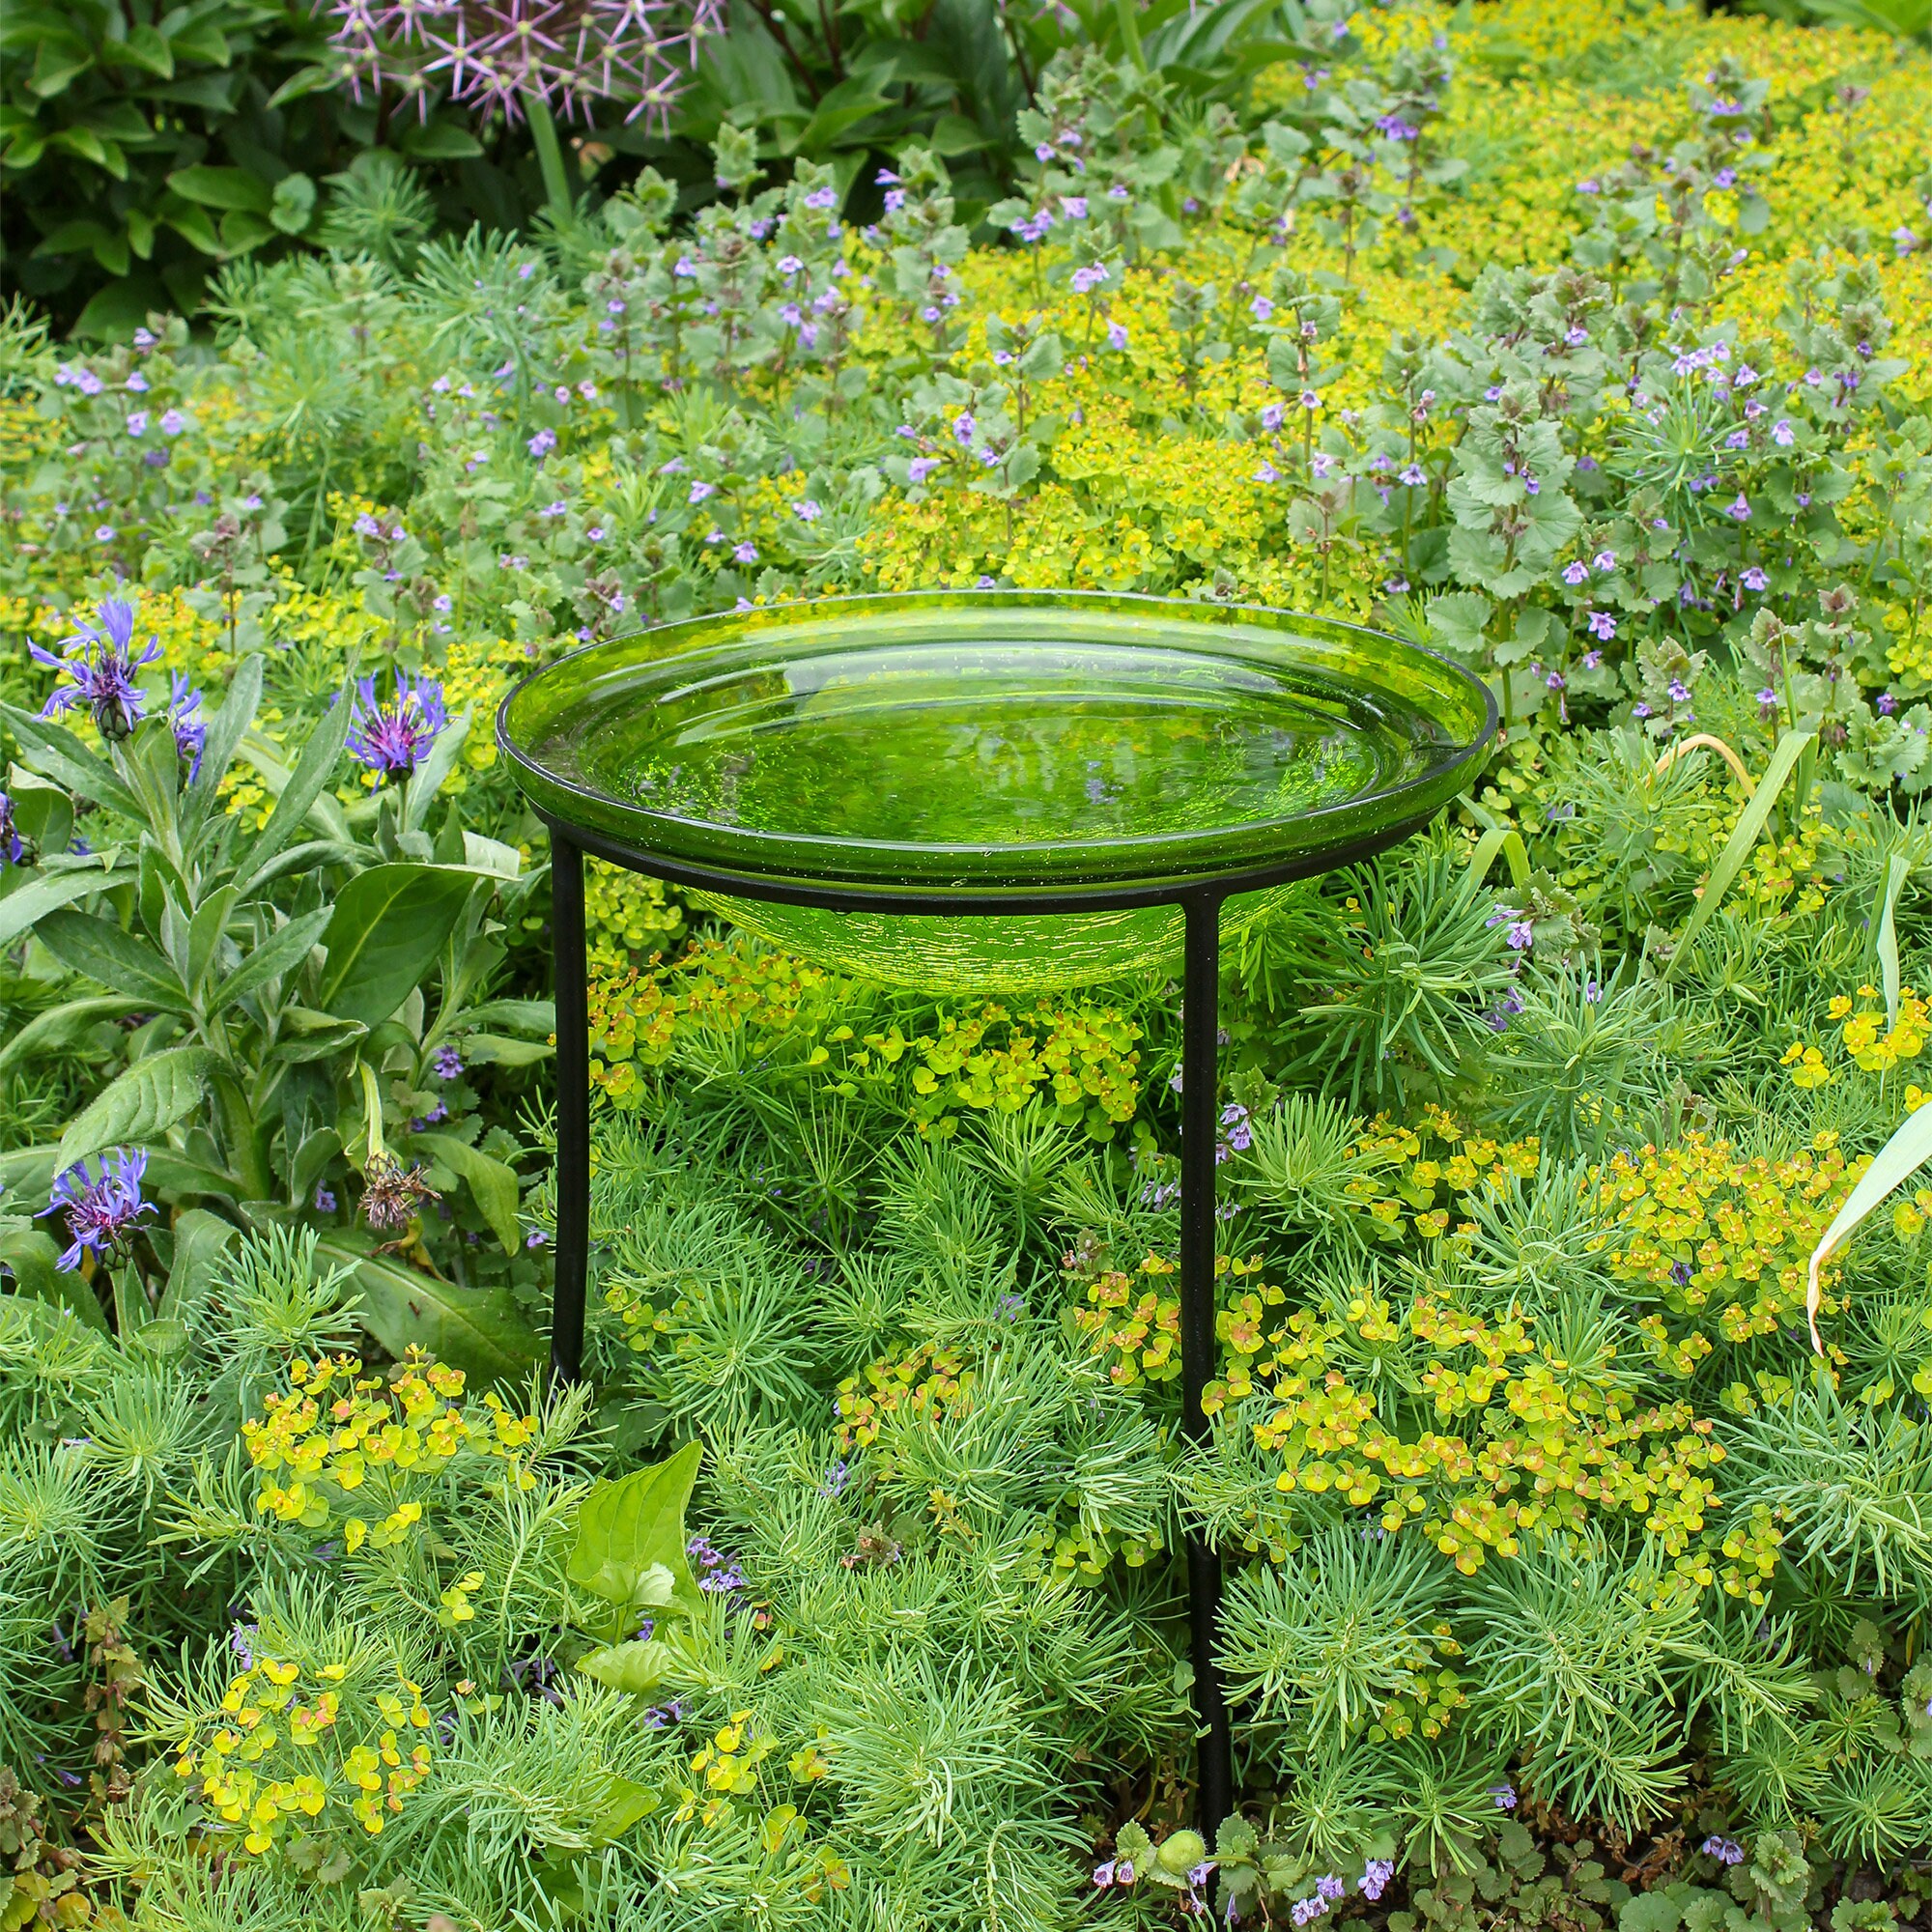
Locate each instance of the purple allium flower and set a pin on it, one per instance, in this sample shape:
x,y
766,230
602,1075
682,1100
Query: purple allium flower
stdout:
x,y
500,54
98,659
102,1209
393,738
1504,1795
1726,1851
1603,625
190,729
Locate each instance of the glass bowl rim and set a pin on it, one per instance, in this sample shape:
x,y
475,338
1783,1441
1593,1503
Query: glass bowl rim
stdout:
x,y
761,855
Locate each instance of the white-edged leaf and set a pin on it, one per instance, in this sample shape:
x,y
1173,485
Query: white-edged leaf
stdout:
x,y
1897,869
1901,1157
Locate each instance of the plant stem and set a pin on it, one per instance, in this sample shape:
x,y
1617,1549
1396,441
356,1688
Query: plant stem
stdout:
x,y
549,156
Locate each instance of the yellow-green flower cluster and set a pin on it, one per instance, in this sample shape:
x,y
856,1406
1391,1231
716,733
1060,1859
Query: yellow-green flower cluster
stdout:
x,y
1722,1239
363,1454
292,1748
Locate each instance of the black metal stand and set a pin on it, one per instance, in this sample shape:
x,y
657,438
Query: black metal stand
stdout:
x,y
1199,1105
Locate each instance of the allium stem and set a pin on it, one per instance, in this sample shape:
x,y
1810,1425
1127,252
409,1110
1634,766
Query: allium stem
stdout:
x,y
549,156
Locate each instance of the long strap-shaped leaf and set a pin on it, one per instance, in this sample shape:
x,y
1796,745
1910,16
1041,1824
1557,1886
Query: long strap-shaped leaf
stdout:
x,y
1704,741
1738,847
1897,869
1901,1157
1507,840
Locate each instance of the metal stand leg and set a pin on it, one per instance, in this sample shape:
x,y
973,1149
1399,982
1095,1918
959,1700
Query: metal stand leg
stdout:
x,y
573,1109
1199,1117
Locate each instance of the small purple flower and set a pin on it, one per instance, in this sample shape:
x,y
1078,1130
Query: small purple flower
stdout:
x,y
535,1238
1412,475
447,1062
392,739
241,1641
1117,336
1680,1273
1377,1877
97,658
1783,433
190,729
1726,1851
324,1201
963,427
1603,625
806,511
102,1209
715,1573
137,422
1887,704
746,552
1306,1911
1679,691
1311,399
1753,578
1103,1873
921,468
1504,1795
1089,278
542,443
1577,572
1741,509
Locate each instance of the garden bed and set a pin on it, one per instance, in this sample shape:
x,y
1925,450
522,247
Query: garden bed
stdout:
x,y
1568,1584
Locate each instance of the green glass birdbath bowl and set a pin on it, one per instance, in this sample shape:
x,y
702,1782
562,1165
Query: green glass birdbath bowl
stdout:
x,y
1043,748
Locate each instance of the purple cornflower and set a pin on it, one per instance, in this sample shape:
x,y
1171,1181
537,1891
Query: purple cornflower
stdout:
x,y
191,731
1377,1877
11,849
447,1062
393,738
101,1210
1726,1851
97,658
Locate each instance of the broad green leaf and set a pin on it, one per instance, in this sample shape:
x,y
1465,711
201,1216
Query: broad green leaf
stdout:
x,y
222,187
63,1026
496,1049
1738,846
29,1255
1901,1157
201,1239
42,893
42,812
637,1667
478,1331
142,1104
27,1176
384,934
120,962
299,790
226,728
276,954
491,1182
55,752
630,1542
535,1018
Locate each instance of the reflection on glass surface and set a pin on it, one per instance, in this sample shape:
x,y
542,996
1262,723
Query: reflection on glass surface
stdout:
x,y
1003,741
